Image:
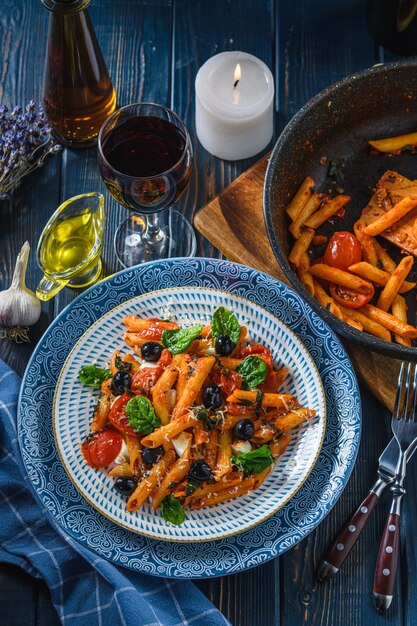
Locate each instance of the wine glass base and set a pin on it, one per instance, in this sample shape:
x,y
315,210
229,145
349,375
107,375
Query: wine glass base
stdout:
x,y
175,237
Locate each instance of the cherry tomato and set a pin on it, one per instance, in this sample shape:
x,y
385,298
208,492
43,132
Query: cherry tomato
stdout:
x,y
227,380
145,379
348,297
118,417
101,448
271,383
343,250
262,351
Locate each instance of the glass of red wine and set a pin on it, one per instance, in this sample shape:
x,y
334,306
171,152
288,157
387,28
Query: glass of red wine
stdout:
x,y
145,157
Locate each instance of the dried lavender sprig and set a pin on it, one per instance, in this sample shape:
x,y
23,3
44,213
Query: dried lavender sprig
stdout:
x,y
25,142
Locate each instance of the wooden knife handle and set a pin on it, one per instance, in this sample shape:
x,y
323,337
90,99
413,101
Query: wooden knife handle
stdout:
x,y
346,538
387,563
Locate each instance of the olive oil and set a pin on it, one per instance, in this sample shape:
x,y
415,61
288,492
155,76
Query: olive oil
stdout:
x,y
69,243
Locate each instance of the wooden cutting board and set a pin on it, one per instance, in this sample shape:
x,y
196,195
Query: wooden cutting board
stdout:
x,y
233,222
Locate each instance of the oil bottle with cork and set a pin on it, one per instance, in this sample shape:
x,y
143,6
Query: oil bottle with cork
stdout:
x,y
78,95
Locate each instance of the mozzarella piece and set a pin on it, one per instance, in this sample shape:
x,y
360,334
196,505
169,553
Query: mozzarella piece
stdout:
x,y
241,447
181,443
150,364
123,456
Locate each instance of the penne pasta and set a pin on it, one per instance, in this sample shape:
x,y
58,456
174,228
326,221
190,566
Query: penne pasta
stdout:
x,y
169,431
303,195
394,144
301,246
369,325
199,372
369,253
377,276
279,400
309,208
210,499
389,321
152,480
394,283
304,274
102,410
175,475
399,310
224,465
341,277
164,384
327,211
393,215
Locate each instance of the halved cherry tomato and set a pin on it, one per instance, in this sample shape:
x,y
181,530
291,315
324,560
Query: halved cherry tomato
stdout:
x,y
118,417
343,250
271,383
228,380
101,448
262,351
348,297
144,380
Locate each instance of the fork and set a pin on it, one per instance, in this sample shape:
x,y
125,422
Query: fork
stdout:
x,y
404,429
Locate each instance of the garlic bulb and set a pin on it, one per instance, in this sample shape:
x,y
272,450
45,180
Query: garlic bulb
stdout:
x,y
19,307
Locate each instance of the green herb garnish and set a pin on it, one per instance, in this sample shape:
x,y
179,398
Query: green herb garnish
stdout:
x,y
209,423
176,341
224,322
334,171
255,461
141,415
253,370
93,376
172,510
191,486
122,365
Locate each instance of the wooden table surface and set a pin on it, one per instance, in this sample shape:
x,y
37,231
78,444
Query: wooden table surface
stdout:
x,y
153,49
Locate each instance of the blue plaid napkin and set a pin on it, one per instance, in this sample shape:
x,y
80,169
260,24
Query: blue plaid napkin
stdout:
x,y
86,590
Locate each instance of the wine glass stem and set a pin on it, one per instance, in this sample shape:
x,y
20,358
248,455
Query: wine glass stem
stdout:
x,y
153,233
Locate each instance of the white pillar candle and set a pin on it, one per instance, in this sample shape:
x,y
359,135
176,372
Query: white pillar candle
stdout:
x,y
234,105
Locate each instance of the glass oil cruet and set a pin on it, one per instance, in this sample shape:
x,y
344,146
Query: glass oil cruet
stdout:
x,y
78,94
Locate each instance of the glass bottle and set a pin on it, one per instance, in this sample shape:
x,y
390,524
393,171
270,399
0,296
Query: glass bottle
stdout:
x,y
78,94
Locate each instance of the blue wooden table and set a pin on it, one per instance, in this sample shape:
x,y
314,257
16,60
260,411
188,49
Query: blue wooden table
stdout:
x,y
153,49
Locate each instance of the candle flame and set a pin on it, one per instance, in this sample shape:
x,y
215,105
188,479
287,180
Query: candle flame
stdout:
x,y
237,74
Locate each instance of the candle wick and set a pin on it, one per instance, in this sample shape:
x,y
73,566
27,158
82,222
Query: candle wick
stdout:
x,y
236,83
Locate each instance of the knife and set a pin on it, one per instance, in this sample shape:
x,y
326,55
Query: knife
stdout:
x,y
351,530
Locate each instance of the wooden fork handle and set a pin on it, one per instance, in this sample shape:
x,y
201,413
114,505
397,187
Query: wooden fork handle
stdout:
x,y
387,563
346,538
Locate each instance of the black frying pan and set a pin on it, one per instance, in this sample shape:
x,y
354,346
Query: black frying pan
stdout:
x,y
336,124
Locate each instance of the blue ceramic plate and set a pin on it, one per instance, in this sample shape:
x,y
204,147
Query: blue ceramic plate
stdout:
x,y
280,532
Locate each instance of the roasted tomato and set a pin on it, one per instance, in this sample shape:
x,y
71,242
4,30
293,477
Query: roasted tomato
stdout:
x,y
343,250
227,380
262,351
348,297
145,379
118,417
101,448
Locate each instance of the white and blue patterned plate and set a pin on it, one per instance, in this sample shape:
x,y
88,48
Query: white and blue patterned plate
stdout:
x,y
233,554
74,404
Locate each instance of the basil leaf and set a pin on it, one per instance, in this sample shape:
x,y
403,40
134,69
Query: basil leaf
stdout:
x,y
141,415
178,340
254,461
253,370
172,510
191,486
224,322
93,376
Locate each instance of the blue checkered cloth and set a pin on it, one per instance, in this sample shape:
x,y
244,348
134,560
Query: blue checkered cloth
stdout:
x,y
86,590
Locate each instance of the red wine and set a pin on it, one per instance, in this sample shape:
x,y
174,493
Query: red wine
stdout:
x,y
152,152
144,146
